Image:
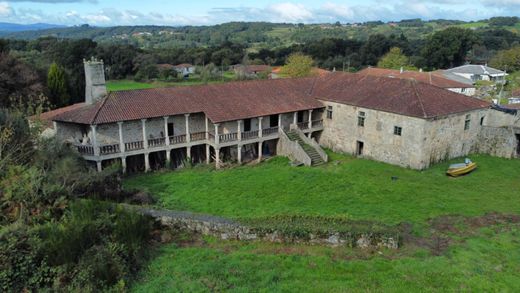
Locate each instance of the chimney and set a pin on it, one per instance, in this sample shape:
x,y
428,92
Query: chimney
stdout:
x,y
95,88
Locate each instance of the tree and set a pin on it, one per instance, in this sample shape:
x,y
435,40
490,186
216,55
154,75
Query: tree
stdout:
x,y
507,59
57,85
19,83
394,59
298,65
448,48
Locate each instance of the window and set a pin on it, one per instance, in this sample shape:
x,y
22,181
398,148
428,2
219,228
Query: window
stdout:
x,y
329,112
467,122
398,130
361,119
482,120
247,125
463,90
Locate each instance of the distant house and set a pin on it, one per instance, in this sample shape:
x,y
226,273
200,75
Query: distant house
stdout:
x,y
185,69
515,97
433,78
475,73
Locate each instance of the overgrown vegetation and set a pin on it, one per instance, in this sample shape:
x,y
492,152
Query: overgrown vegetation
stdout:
x,y
51,237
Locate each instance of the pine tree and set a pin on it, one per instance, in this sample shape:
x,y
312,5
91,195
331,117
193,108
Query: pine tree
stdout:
x,y
57,85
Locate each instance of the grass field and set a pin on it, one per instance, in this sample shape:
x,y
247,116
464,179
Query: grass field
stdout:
x,y
485,262
360,189
126,84
476,258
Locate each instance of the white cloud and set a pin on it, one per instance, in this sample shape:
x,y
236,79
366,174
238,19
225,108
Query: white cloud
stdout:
x,y
5,9
336,10
290,12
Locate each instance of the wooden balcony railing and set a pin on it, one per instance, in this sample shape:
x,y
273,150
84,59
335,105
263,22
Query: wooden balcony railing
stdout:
x,y
250,135
303,125
177,139
227,137
85,149
197,136
317,123
270,131
134,145
156,142
109,149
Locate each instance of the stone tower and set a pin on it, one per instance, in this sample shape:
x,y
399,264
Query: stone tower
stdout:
x,y
95,88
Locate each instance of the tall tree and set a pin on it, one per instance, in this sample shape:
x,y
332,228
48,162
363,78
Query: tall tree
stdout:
x,y
448,48
57,85
394,59
19,84
298,65
507,59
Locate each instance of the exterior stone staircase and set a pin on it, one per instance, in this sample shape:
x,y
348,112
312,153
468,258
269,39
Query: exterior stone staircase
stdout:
x,y
316,159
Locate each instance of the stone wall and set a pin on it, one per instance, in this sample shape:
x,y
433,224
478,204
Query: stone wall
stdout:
x,y
341,134
445,138
292,149
498,141
231,230
70,132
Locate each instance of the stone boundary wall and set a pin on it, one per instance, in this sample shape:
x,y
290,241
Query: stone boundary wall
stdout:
x,y
497,141
227,229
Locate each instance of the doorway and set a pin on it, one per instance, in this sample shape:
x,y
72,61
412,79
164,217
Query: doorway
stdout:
x,y
300,116
359,148
171,129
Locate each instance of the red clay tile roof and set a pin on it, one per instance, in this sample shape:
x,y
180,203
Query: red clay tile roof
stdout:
x,y
400,96
432,78
240,100
49,116
183,65
220,102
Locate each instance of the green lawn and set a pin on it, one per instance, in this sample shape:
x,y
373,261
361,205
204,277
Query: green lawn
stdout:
x,y
476,259
360,189
126,84
485,262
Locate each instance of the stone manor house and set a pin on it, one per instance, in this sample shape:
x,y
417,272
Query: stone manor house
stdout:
x,y
399,121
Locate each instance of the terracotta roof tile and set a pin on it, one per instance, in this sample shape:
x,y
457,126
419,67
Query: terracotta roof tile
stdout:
x,y
241,100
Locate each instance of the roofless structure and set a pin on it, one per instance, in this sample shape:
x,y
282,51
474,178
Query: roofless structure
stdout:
x,y
399,121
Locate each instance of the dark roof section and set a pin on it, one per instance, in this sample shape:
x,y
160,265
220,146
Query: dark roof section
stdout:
x,y
426,77
400,96
241,100
220,102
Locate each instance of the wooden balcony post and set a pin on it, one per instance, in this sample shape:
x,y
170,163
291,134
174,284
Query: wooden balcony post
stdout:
x,y
310,119
188,136
217,158
121,140
166,136
123,164
146,162
145,139
217,138
207,127
94,140
239,130
260,126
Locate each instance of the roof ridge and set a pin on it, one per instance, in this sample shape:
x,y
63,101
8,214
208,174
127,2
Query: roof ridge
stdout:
x,y
425,115
99,108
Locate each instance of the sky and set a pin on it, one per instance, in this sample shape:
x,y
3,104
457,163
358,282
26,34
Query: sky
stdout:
x,y
206,12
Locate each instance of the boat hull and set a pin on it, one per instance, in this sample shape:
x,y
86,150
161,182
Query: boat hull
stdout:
x,y
455,172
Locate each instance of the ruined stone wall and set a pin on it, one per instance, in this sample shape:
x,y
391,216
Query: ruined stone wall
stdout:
x,y
342,132
227,229
71,132
445,138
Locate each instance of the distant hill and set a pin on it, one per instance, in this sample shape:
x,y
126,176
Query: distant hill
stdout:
x,y
7,27
257,34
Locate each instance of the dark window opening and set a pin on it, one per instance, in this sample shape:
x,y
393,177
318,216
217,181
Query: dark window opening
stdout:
x,y
247,125
273,120
398,130
467,122
329,112
171,131
300,116
482,121
359,148
361,119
